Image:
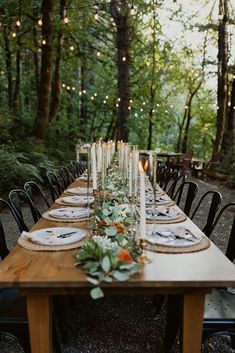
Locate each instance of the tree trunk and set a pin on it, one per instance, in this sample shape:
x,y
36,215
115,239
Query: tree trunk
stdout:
x,y
8,60
56,84
181,127
36,61
222,79
121,18
17,78
228,144
41,123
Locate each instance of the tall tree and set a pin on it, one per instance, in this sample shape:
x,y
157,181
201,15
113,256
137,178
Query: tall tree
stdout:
x,y
120,14
222,90
41,123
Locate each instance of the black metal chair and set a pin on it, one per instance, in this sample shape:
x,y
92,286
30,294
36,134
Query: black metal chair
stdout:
x,y
13,309
55,185
187,192
33,189
219,312
19,196
178,181
215,199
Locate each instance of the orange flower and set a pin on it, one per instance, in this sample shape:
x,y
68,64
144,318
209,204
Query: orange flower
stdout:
x,y
125,256
101,223
120,228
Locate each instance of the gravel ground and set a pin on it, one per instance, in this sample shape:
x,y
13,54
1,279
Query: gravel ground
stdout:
x,y
127,324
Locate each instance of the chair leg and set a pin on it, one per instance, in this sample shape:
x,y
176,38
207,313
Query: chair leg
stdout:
x,y
172,322
158,301
60,315
232,341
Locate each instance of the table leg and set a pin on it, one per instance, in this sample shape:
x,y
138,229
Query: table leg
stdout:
x,y
193,310
40,323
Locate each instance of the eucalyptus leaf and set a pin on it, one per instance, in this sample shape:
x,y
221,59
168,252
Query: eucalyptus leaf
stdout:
x,y
106,264
110,231
107,279
97,293
121,276
93,280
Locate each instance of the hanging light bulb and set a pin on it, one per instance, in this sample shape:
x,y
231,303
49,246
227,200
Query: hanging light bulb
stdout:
x,y
14,34
123,58
40,22
104,101
63,85
98,53
71,48
66,20
95,94
44,42
119,99
18,23
106,97
96,15
132,12
68,88
84,91
73,88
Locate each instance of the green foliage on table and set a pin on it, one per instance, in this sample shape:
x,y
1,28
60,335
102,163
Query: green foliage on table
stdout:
x,y
105,260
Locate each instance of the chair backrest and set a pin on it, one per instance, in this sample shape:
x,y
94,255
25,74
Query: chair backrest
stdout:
x,y
20,224
230,251
178,181
215,199
54,185
16,197
32,189
189,190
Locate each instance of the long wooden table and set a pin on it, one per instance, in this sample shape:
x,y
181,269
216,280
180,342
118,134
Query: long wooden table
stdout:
x,y
40,275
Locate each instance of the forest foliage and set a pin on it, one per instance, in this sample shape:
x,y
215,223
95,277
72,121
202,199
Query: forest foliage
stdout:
x,y
147,71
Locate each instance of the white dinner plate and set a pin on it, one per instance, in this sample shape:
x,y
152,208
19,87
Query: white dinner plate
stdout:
x,y
160,200
168,237
162,213
56,235
70,213
80,191
83,200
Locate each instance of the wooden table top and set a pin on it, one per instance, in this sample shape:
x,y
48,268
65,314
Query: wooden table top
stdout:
x,y
31,269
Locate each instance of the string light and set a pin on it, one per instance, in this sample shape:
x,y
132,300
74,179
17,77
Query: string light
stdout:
x,y
84,91
233,107
98,53
95,94
96,15
14,34
40,22
68,88
18,23
104,101
158,104
129,108
119,99
71,48
92,98
186,107
144,103
131,101
63,85
80,93
153,110
43,42
171,106
124,58
73,88
166,111
141,109
66,20
132,12
106,97
117,105
201,107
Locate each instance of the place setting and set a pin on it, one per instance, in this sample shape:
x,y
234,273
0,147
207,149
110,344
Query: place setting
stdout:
x,y
53,239
75,200
162,214
79,191
159,200
176,239
68,214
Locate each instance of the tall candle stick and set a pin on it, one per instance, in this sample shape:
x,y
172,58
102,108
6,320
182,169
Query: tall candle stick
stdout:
x,y
94,171
142,228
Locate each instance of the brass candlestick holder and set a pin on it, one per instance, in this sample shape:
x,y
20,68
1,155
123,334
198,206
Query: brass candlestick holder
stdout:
x,y
143,258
